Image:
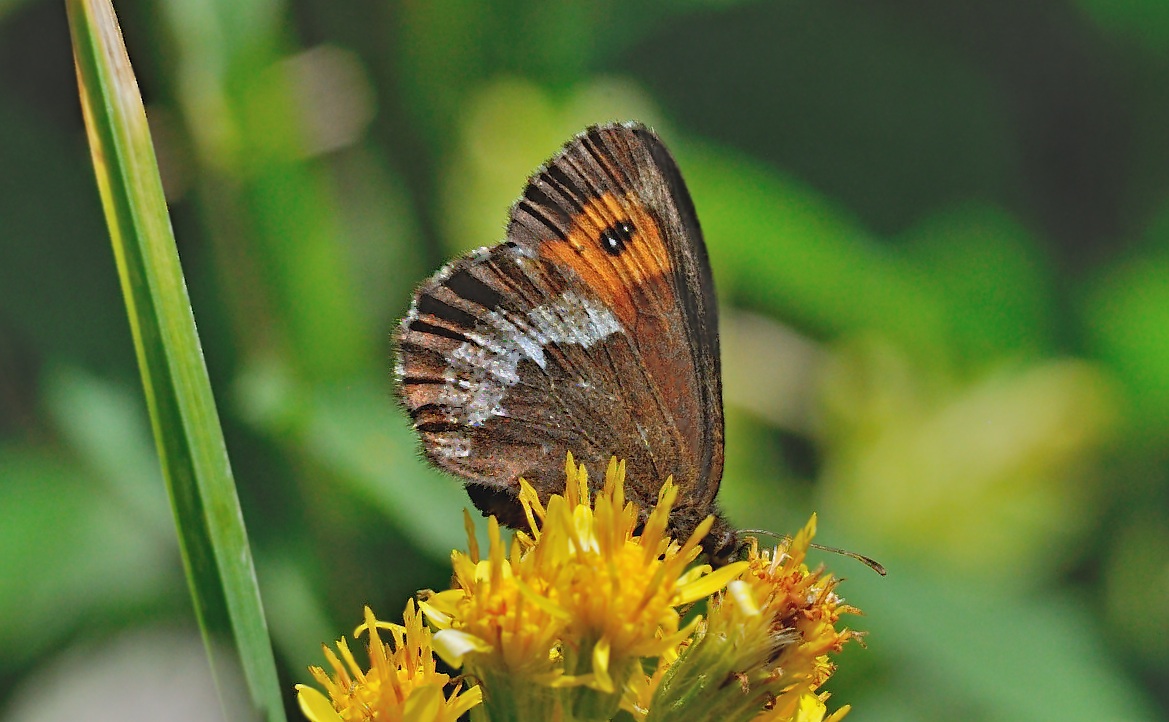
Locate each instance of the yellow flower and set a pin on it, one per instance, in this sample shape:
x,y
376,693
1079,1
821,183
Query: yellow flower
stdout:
x,y
764,646
640,688
578,603
805,708
802,606
582,618
498,627
400,684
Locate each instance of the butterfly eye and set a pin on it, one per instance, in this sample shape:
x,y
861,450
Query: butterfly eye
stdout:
x,y
616,237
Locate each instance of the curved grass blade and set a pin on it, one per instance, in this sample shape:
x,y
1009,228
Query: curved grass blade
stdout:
x,y
178,393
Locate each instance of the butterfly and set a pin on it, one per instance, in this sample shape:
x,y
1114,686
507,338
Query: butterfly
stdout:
x,y
592,329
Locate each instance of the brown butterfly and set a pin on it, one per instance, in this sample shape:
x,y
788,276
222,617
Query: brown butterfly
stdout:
x,y
592,329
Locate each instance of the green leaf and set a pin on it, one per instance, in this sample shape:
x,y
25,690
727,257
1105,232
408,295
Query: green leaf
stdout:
x,y
960,649
780,247
178,393
110,560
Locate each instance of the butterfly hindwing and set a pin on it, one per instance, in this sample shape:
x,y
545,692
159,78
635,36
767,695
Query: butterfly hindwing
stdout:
x,y
591,329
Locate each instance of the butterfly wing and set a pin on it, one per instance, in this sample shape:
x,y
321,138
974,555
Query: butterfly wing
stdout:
x,y
592,329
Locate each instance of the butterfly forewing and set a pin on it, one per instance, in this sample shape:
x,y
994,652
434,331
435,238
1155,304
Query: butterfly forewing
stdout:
x,y
592,329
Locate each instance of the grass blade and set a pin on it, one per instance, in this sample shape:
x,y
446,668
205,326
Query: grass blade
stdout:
x,y
178,393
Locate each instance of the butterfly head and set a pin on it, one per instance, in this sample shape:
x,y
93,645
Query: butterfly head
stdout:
x,y
722,543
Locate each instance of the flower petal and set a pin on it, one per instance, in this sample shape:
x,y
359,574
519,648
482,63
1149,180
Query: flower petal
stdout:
x,y
315,705
452,645
740,593
423,705
603,681
709,584
466,701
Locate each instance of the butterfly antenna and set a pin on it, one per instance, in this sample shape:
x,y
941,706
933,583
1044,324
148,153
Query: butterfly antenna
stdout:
x,y
869,562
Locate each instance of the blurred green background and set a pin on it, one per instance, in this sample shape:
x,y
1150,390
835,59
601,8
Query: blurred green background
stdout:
x,y
940,234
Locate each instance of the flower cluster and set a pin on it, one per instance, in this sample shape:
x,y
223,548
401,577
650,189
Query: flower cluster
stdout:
x,y
402,682
771,629
586,618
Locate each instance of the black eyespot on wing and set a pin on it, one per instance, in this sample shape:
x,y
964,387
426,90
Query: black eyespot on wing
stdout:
x,y
616,237
472,289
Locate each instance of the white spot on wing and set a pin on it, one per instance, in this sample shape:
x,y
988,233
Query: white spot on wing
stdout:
x,y
480,370
453,447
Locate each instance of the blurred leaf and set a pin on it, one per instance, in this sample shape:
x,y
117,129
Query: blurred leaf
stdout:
x,y
50,214
178,393
948,643
1127,314
759,489
295,606
770,370
441,47
382,241
448,50
359,432
271,209
1145,21
69,552
987,271
1138,571
107,427
997,474
778,246
870,104
511,127
771,378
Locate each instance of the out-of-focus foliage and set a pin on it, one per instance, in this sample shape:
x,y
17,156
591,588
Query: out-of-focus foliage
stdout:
x,y
940,234
189,439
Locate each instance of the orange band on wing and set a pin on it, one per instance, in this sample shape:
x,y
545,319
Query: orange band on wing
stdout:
x,y
614,274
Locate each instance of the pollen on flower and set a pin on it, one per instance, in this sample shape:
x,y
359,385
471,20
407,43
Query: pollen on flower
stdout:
x,y
802,609
498,611
625,588
584,615
401,682
765,642
579,600
802,605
